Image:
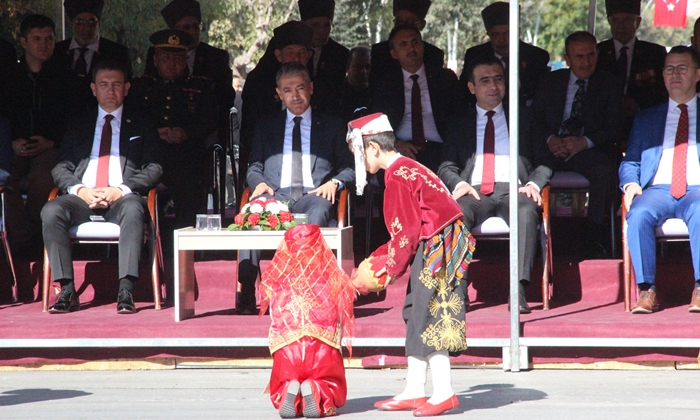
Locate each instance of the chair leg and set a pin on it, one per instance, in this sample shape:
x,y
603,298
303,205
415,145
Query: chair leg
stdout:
x,y
626,269
45,283
10,262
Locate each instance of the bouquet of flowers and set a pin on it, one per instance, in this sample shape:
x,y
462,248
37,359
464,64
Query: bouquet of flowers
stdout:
x,y
264,214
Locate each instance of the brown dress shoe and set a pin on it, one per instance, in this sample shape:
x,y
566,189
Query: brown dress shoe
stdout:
x,y
647,303
695,301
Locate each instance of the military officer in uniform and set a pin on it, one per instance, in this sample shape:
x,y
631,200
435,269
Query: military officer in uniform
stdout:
x,y
186,114
202,59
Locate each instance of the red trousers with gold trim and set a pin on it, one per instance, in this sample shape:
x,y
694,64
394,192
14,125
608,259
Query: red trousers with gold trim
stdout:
x,y
309,358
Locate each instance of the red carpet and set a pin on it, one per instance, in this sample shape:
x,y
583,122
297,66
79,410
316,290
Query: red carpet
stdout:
x,y
587,303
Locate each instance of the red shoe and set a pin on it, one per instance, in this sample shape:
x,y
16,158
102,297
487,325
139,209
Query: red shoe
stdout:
x,y
429,409
395,405
287,409
310,399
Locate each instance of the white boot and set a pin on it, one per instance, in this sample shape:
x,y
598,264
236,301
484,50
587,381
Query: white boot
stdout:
x,y
442,378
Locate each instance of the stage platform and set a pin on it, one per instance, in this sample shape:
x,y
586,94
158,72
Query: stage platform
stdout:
x,y
586,324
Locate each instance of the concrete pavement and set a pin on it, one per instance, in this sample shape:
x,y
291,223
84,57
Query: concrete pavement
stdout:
x,y
214,394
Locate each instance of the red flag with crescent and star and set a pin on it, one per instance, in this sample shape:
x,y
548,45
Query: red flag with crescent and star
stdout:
x,y
671,13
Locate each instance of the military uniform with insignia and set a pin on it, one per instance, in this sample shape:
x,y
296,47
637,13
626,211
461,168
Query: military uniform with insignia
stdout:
x,y
184,103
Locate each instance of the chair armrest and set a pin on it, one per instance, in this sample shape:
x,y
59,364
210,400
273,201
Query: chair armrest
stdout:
x,y
245,198
343,209
54,193
545,208
153,204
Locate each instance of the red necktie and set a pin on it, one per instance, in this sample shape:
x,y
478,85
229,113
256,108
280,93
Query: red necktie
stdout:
x,y
103,159
417,115
488,177
680,153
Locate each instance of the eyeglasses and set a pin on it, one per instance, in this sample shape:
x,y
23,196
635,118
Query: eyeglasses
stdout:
x,y
189,26
681,68
83,22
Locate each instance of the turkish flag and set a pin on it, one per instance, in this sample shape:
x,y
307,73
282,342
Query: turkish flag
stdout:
x,y
670,13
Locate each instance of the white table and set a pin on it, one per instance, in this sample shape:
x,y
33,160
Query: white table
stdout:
x,y
188,240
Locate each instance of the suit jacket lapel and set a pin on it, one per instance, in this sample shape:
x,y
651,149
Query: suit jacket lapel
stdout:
x,y
124,138
559,99
315,140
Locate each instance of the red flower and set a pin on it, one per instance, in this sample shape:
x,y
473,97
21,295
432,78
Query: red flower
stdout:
x,y
286,216
272,220
253,219
239,220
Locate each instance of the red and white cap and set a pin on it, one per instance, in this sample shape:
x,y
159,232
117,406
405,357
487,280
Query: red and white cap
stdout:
x,y
358,129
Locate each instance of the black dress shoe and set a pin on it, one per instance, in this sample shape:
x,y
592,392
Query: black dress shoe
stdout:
x,y
247,310
67,302
125,302
523,306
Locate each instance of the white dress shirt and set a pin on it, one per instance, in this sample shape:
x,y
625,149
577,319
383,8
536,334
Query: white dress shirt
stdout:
x,y
91,51
115,168
404,130
502,145
305,125
665,169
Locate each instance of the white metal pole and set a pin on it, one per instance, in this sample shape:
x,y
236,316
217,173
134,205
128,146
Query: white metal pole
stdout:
x,y
592,4
513,78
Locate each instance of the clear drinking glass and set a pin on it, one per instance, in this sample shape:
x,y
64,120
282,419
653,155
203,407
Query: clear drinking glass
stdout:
x,y
214,222
202,222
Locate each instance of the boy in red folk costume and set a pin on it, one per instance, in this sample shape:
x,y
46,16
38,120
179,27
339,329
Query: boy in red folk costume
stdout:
x,y
429,239
311,308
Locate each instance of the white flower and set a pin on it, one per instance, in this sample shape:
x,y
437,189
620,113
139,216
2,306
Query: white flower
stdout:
x,y
283,207
273,207
256,208
245,208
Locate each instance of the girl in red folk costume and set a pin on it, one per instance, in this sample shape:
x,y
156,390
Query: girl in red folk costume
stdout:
x,y
429,239
311,309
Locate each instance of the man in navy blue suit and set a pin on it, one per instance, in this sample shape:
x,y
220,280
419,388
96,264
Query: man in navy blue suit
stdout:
x,y
298,156
660,174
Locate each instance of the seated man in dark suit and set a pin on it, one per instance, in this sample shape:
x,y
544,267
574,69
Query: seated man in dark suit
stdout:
x,y
406,13
533,60
106,165
299,156
40,99
476,166
660,175
577,115
432,94
86,46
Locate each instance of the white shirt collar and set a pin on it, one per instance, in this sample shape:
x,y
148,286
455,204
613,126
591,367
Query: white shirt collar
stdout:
x,y
481,111
94,45
306,116
618,45
420,73
692,104
393,159
117,113
573,78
